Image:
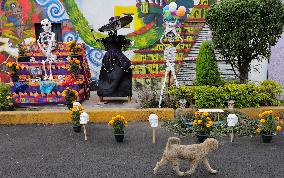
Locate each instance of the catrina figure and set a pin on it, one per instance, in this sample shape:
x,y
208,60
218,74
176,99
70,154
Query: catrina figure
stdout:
x,y
115,78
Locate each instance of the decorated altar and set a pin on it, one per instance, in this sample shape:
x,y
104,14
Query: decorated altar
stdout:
x,y
31,87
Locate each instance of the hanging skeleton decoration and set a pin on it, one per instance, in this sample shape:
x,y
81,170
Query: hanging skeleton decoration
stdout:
x,y
47,44
169,53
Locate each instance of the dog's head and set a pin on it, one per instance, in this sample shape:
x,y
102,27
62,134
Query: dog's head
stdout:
x,y
212,143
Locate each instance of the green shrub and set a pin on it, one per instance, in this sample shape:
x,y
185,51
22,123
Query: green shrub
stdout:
x,y
148,98
6,102
245,95
207,72
245,126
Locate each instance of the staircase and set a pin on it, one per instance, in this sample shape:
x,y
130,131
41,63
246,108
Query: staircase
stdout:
x,y
186,74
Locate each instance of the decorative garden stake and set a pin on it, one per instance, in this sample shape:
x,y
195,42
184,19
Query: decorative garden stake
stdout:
x,y
154,122
182,103
84,119
76,104
231,104
232,120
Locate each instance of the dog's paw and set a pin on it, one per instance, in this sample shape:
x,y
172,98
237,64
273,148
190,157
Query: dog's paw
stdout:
x,y
155,171
213,171
181,174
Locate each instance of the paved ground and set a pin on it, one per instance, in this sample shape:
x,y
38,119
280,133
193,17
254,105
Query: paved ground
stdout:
x,y
56,151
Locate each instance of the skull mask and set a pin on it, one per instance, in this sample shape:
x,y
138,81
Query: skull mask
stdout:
x,y
46,25
171,36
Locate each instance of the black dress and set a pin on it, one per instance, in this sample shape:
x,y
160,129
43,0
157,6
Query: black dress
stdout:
x,y
115,78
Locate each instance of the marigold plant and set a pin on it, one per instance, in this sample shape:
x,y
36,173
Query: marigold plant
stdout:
x,y
118,123
13,66
203,123
269,123
74,66
73,47
6,101
76,112
71,96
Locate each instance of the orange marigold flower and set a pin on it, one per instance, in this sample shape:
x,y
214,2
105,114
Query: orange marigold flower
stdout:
x,y
278,128
208,118
280,123
205,114
197,113
262,121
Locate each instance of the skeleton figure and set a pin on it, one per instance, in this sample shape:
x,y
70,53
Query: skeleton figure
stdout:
x,y
169,54
47,44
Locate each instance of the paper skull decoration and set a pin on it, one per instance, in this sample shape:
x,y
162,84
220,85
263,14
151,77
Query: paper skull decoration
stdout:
x,y
232,120
182,103
76,104
60,77
153,119
46,25
84,118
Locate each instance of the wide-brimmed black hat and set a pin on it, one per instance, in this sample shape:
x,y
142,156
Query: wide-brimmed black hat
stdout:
x,y
116,23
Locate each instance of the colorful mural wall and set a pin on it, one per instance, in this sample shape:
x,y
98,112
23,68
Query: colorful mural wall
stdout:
x,y
18,18
78,16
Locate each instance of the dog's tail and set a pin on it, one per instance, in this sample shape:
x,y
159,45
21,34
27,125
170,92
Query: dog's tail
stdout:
x,y
170,140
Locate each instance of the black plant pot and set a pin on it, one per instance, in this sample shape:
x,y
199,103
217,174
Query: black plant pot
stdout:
x,y
119,136
201,138
77,128
69,105
266,138
15,78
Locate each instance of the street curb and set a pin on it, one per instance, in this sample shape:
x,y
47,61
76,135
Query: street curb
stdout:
x,y
96,115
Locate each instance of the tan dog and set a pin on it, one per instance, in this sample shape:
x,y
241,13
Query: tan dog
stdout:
x,y
194,153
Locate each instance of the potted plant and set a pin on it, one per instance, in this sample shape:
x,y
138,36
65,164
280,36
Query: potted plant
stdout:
x,y
118,123
73,47
269,125
14,68
75,117
74,66
202,125
71,96
6,100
